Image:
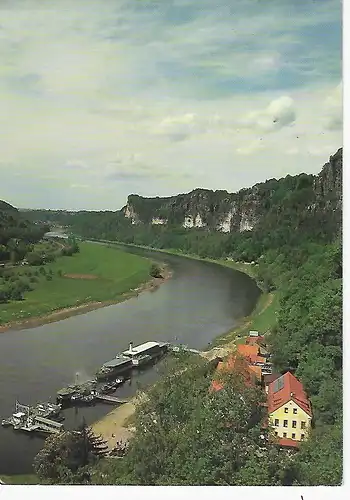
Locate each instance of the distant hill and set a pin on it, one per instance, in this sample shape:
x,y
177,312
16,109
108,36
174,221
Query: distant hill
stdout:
x,y
16,232
4,206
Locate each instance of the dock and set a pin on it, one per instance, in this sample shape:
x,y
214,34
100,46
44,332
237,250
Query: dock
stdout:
x,y
48,425
182,348
34,419
110,399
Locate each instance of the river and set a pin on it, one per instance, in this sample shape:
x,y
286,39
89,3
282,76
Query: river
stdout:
x,y
200,302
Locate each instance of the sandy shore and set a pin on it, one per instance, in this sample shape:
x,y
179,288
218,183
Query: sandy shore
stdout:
x,y
67,312
113,427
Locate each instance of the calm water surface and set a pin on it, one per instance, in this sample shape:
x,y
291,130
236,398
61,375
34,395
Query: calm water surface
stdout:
x,y
200,302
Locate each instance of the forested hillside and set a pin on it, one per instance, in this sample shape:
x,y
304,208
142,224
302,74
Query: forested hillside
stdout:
x,y
16,233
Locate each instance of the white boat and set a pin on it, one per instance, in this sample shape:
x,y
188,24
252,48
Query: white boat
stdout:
x,y
144,353
6,422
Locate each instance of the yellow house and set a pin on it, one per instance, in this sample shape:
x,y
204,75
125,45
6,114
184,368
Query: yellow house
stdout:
x,y
289,410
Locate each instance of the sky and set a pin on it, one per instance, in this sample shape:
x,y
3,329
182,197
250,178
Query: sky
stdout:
x,y
103,98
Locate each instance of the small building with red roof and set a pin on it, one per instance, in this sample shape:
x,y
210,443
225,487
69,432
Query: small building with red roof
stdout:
x,y
247,350
289,408
235,364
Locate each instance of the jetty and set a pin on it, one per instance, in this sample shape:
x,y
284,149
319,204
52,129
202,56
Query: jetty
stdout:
x,y
182,348
34,419
47,425
110,399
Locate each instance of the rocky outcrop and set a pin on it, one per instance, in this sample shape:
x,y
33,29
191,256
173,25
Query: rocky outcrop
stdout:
x,y
130,213
241,211
328,183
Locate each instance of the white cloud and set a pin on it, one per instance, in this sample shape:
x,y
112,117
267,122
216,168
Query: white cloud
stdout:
x,y
179,127
333,114
292,151
80,186
121,97
251,148
279,113
322,150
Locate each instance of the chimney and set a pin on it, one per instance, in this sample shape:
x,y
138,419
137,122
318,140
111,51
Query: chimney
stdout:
x,y
131,345
291,394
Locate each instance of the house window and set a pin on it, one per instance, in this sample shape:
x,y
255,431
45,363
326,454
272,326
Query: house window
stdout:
x,y
302,436
293,436
277,422
286,410
294,424
285,423
295,411
284,434
303,425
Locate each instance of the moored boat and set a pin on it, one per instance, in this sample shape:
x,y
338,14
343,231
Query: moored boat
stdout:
x,y
111,386
145,353
120,364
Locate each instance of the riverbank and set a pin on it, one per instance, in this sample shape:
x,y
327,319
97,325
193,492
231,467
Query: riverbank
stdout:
x,y
116,425
264,316
19,479
96,277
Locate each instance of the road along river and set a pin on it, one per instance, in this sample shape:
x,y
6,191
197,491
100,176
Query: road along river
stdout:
x,y
201,301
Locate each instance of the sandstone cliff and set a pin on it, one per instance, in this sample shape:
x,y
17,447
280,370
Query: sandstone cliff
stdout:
x,y
244,210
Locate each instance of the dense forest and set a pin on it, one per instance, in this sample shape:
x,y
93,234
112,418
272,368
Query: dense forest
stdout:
x,y
297,244
17,233
21,242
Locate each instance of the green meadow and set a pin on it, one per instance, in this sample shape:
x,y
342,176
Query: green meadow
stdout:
x,y
96,274
20,479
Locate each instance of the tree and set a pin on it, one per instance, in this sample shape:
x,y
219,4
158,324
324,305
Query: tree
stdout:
x,y
68,456
155,271
319,461
186,434
4,253
34,259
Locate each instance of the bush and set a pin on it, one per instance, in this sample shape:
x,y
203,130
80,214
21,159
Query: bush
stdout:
x,y
34,259
155,271
3,295
24,286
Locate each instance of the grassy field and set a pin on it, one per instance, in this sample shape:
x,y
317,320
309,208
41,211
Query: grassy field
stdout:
x,y
96,274
262,319
20,479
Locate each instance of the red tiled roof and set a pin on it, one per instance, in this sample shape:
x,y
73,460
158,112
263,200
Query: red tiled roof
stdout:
x,y
256,370
216,386
257,359
236,364
290,443
254,340
270,377
291,389
248,350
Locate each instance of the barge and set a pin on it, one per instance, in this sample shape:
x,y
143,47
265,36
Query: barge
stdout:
x,y
111,386
120,364
68,394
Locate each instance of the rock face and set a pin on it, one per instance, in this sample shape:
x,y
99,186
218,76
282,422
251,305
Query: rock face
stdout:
x,y
328,183
241,211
